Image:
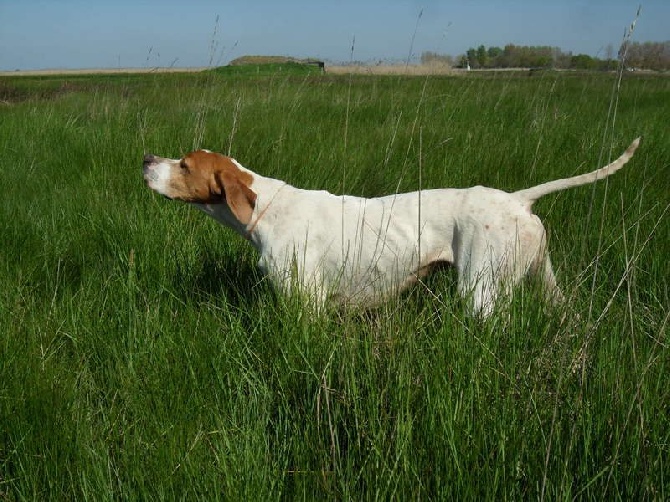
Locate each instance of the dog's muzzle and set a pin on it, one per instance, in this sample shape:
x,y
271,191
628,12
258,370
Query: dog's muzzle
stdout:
x,y
149,173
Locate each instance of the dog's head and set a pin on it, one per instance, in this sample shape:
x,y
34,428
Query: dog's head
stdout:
x,y
203,177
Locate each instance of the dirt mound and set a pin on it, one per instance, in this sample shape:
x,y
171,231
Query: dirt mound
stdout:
x,y
261,60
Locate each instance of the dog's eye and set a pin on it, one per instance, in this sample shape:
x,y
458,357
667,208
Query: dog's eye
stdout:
x,y
183,165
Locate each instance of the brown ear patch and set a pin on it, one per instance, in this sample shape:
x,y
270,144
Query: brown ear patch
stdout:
x,y
240,198
212,178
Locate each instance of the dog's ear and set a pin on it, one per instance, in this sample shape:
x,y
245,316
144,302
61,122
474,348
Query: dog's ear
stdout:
x,y
240,198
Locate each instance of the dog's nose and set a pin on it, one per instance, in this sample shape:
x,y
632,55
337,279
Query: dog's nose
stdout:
x,y
149,158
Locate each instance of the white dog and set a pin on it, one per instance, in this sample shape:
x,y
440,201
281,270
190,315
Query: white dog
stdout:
x,y
345,249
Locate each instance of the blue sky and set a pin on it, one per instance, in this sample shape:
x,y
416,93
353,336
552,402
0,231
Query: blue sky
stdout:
x,y
40,34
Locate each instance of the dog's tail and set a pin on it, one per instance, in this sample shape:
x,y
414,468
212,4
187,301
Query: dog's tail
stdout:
x,y
530,195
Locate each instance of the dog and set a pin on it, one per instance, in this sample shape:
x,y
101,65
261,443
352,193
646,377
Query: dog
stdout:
x,y
347,250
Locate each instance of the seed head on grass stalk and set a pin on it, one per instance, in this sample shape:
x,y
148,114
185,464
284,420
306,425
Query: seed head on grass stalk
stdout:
x,y
611,119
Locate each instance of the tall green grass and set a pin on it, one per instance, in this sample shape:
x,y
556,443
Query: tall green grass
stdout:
x,y
142,355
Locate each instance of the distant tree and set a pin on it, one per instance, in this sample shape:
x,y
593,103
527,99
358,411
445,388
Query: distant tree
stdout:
x,y
561,59
482,56
511,57
449,60
543,57
472,57
648,55
494,54
652,55
583,62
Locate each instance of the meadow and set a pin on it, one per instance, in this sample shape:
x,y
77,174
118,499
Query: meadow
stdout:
x,y
143,356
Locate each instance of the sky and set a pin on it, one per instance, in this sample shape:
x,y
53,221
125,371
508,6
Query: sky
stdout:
x,y
73,34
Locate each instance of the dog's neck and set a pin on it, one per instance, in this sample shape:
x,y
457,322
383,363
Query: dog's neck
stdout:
x,y
272,188
266,190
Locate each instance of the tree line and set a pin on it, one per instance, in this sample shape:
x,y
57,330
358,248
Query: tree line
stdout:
x,y
638,55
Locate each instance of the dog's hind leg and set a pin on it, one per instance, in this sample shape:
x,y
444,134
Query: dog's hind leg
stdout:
x,y
478,285
552,292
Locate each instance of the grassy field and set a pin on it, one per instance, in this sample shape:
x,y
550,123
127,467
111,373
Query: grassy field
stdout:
x,y
142,355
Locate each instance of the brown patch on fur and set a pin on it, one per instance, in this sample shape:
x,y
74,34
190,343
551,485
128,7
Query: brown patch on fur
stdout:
x,y
212,178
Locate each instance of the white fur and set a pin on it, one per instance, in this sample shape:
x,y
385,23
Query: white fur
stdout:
x,y
158,178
